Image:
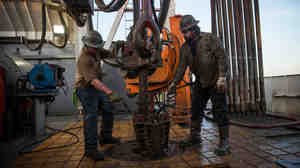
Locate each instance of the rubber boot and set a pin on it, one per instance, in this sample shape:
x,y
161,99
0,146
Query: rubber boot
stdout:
x,y
93,153
223,147
106,130
195,137
107,138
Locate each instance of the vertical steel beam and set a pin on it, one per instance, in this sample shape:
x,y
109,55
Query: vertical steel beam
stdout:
x,y
260,60
235,77
243,55
242,40
253,42
240,54
146,8
136,10
219,20
254,60
250,54
213,17
227,42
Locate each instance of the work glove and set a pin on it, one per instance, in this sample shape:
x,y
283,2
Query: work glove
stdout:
x,y
220,85
75,99
113,97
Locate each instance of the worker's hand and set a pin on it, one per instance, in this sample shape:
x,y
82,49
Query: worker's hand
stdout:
x,y
113,97
220,86
107,91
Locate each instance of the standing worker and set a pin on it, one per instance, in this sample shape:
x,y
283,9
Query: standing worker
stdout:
x,y
205,56
93,94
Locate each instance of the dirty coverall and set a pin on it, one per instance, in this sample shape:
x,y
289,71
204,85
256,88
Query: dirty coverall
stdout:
x,y
89,68
205,57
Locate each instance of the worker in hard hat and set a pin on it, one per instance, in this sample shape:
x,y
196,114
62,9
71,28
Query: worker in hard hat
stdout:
x,y
94,94
205,56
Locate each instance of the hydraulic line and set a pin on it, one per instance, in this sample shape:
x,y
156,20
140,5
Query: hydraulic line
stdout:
x,y
114,5
66,32
154,14
163,13
43,35
44,25
66,131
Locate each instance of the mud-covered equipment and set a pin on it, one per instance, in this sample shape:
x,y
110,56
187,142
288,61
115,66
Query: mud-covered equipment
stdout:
x,y
93,39
187,22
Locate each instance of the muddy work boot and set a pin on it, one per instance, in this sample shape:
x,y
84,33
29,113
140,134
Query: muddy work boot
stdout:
x,y
105,135
223,147
195,137
94,154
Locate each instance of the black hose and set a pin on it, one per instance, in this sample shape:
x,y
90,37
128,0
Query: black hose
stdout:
x,y
66,32
42,40
164,8
22,151
113,6
154,14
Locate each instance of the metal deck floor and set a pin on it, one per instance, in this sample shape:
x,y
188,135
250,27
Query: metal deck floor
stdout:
x,y
249,150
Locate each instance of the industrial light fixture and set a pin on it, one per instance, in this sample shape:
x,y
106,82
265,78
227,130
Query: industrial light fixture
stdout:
x,y
58,29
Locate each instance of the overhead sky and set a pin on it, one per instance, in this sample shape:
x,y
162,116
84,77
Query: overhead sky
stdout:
x,y
279,24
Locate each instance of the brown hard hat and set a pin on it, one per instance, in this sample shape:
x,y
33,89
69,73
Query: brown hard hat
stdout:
x,y
187,22
93,39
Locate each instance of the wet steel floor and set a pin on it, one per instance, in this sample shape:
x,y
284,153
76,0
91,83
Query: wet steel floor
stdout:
x,y
250,148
